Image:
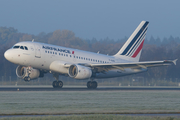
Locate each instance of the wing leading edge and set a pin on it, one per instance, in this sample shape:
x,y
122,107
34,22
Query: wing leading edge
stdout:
x,y
123,66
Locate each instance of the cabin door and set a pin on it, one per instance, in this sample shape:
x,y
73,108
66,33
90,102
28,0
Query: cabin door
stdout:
x,y
37,51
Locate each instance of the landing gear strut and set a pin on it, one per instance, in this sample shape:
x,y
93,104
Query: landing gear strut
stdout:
x,y
92,84
57,83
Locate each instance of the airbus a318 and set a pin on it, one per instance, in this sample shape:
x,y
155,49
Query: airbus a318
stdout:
x,y
34,59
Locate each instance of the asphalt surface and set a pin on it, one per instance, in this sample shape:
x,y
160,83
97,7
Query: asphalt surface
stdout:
x,y
37,88
147,115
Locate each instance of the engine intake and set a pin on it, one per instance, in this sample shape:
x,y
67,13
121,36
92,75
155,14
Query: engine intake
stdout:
x,y
27,73
79,72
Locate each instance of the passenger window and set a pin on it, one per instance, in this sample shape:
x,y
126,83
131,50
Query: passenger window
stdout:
x,y
66,55
70,55
22,47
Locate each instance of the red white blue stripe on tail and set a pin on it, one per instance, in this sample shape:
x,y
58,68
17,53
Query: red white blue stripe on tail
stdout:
x,y
133,46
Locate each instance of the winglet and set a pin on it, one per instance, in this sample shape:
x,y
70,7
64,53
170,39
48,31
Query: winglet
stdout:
x,y
174,61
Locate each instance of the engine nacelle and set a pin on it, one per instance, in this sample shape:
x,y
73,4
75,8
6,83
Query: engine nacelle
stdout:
x,y
27,73
79,72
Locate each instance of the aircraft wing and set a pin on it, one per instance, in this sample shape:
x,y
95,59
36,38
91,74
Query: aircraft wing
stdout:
x,y
122,66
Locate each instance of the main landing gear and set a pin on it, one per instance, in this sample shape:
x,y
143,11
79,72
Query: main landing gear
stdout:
x,y
92,84
57,83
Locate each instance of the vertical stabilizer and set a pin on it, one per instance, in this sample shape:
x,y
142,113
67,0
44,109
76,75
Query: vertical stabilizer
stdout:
x,y
131,50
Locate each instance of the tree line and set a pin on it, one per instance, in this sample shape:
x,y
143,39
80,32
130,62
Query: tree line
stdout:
x,y
153,49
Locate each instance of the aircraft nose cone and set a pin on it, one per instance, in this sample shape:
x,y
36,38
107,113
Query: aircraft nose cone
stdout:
x,y
7,55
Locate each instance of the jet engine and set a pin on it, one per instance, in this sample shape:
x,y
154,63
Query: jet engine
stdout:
x,y
79,72
27,73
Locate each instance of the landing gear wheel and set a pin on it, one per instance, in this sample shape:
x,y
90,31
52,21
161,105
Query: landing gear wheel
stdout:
x,y
89,84
57,84
60,84
27,79
92,84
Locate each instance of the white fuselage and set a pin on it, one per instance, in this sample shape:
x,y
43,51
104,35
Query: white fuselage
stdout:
x,y
41,56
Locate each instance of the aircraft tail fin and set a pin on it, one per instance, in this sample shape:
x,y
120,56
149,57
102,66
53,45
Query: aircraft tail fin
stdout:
x,y
131,50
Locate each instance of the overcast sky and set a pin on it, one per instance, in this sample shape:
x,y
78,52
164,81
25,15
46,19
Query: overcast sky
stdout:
x,y
92,18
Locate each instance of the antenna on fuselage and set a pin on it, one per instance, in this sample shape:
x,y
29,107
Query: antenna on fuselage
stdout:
x,y
32,40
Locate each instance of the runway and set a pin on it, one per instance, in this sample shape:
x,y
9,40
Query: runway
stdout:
x,y
81,88
135,115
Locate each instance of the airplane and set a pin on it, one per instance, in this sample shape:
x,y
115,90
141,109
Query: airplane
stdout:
x,y
34,59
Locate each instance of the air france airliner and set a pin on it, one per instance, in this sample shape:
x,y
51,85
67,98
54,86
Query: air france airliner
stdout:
x,y
34,59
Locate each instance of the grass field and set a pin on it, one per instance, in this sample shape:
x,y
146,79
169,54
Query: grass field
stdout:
x,y
85,102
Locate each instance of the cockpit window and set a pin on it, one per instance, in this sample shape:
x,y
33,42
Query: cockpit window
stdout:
x,y
25,48
22,47
16,47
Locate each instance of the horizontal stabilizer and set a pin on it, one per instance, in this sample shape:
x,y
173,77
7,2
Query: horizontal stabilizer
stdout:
x,y
174,61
